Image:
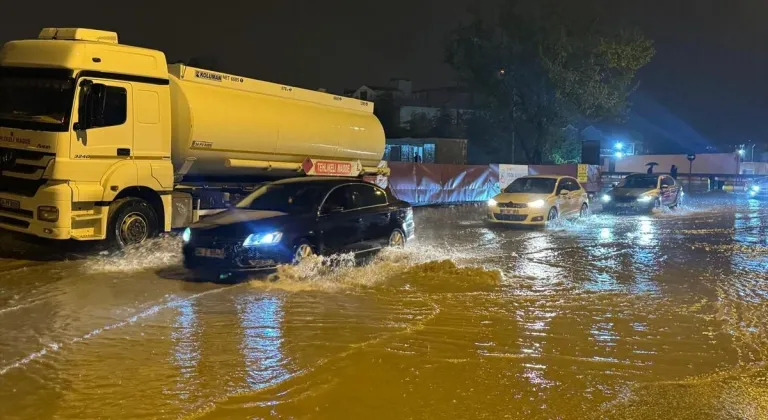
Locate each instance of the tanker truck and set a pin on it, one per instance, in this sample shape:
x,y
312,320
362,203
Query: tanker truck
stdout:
x,y
104,141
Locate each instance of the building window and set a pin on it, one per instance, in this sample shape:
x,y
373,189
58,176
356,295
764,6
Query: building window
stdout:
x,y
364,95
429,153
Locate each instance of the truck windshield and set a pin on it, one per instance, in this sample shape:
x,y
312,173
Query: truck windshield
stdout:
x,y
286,198
35,100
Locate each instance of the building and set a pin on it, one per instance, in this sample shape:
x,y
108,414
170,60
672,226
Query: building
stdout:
x,y
429,102
428,150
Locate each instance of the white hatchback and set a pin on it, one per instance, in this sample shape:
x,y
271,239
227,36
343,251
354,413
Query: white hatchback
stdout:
x,y
537,199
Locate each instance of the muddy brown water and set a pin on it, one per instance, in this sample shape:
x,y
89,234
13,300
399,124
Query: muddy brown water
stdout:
x,y
628,317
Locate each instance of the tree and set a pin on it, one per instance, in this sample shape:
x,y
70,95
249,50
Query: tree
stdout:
x,y
445,124
543,64
420,125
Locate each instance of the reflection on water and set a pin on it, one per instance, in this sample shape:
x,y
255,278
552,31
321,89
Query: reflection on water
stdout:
x,y
186,350
626,317
261,321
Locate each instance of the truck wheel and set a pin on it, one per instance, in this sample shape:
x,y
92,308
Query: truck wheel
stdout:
x,y
131,221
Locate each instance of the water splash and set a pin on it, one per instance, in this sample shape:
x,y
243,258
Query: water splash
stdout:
x,y
153,254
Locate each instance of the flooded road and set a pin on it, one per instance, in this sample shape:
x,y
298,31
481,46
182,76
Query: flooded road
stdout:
x,y
629,317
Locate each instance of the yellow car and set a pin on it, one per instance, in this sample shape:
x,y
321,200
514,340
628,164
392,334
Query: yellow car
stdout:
x,y
536,200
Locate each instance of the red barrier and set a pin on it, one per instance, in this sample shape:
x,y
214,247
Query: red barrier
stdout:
x,y
425,184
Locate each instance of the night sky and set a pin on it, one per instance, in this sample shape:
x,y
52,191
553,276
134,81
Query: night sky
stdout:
x,y
711,69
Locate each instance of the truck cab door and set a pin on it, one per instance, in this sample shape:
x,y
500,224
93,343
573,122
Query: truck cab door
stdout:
x,y
103,129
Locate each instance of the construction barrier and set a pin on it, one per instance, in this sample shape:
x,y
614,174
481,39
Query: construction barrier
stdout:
x,y
427,184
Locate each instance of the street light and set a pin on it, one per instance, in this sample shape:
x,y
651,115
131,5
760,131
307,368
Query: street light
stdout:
x,y
741,152
619,146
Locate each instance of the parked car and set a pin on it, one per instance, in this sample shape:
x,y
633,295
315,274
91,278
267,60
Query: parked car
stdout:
x,y
286,221
644,192
535,200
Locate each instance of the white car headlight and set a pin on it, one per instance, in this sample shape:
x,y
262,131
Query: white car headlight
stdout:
x,y
606,198
645,199
186,235
257,239
492,202
536,204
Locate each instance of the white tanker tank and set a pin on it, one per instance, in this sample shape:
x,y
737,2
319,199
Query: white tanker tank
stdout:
x,y
224,125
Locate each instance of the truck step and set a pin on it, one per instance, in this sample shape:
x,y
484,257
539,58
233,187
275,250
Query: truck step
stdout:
x,y
86,217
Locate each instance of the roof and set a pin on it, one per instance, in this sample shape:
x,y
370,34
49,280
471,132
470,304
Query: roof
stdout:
x,y
382,88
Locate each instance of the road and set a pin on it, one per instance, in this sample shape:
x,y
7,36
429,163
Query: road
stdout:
x,y
630,317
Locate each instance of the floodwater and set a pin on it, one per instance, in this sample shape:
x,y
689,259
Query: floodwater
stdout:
x,y
609,317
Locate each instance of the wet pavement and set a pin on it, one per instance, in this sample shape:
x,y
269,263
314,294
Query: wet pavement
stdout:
x,y
625,317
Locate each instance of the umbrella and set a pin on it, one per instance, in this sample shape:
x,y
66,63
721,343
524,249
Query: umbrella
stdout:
x,y
652,164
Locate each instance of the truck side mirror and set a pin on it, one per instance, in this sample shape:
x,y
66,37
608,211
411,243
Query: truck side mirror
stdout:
x,y
84,105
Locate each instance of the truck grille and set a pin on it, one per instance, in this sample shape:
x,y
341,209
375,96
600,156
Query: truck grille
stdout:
x,y
14,222
21,171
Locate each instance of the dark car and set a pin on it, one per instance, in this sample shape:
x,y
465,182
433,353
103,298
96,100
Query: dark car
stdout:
x,y
285,221
757,188
643,192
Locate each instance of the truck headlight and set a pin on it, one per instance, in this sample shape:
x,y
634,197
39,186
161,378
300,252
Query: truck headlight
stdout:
x,y
257,239
186,235
492,202
48,214
536,204
645,199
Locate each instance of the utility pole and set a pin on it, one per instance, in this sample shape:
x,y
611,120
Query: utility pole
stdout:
x,y
691,158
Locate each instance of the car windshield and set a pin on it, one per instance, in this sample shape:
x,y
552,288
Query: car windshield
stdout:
x,y
640,181
532,186
35,101
293,198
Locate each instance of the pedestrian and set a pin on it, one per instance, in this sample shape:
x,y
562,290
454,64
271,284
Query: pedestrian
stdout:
x,y
650,169
417,158
673,171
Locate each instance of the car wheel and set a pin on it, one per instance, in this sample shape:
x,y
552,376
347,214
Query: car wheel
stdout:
x,y
552,214
679,201
584,212
397,239
131,221
302,251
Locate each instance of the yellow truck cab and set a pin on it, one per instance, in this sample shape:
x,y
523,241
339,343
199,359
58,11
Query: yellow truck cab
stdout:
x,y
100,140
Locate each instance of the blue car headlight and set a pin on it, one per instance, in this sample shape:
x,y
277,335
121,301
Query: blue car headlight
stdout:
x,y
187,235
755,188
260,239
645,199
606,198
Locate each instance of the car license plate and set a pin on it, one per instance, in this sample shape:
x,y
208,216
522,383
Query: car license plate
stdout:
x,y
510,211
9,204
210,253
